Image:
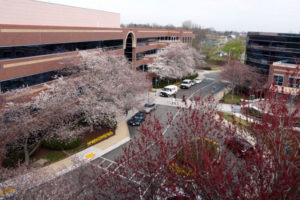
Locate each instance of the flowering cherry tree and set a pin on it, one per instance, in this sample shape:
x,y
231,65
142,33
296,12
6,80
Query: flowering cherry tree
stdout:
x,y
176,61
110,83
105,87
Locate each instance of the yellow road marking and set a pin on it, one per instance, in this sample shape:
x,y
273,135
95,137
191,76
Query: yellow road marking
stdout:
x,y
6,191
89,155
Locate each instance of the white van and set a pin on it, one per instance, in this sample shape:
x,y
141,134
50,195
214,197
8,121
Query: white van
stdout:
x,y
187,83
169,90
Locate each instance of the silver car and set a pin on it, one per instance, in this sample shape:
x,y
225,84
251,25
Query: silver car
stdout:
x,y
198,80
149,107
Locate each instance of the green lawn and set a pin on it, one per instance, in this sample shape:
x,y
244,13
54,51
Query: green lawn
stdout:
x,y
236,99
240,122
59,155
217,68
53,157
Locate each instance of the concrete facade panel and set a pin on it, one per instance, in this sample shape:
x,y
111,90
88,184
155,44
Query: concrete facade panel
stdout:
x,y
147,48
30,12
28,66
20,35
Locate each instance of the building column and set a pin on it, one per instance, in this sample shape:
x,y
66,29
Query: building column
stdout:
x,y
286,79
133,57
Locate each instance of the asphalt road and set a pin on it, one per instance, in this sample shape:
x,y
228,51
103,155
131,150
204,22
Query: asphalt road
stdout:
x,y
203,89
163,113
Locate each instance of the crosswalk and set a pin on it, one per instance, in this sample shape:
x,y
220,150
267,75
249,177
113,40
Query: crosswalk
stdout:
x,y
120,170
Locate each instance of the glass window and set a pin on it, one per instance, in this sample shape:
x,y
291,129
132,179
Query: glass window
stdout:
x,y
294,82
44,49
278,80
32,80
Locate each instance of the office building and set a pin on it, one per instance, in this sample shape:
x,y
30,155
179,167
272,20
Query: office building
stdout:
x,y
36,36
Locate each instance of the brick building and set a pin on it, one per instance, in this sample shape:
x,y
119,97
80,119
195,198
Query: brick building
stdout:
x,y
35,36
286,77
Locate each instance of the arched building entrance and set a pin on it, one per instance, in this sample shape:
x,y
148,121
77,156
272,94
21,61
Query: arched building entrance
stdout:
x,y
130,43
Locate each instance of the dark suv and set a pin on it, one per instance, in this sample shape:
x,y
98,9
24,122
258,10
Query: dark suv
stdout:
x,y
137,119
240,147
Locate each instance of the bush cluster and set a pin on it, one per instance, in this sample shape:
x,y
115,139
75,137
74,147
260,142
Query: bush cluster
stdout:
x,y
13,159
59,144
164,82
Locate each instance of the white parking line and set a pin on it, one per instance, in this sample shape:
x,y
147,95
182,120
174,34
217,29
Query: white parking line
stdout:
x,y
170,123
166,129
199,90
108,159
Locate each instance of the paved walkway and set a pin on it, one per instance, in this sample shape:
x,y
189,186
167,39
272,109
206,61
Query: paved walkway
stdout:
x,y
96,151
231,108
61,167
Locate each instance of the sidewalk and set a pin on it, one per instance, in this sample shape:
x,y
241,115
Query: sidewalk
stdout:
x,y
229,108
121,137
68,164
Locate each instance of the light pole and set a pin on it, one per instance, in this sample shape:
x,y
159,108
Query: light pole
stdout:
x,y
155,84
213,91
230,52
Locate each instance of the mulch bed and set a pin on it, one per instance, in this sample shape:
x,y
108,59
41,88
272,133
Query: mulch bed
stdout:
x,y
86,137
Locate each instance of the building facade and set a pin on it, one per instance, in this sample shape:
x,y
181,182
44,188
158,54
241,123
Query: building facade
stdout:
x,y
32,12
263,49
31,54
286,78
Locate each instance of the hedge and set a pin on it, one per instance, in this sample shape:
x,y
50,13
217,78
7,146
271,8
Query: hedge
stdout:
x,y
13,159
57,144
164,82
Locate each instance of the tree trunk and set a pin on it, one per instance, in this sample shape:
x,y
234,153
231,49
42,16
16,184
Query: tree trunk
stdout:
x,y
26,153
34,149
232,93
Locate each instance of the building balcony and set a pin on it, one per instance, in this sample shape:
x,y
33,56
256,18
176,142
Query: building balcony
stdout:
x,y
154,45
21,67
270,48
145,61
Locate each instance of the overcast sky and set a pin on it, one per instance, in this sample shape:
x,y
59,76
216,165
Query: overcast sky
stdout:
x,y
222,15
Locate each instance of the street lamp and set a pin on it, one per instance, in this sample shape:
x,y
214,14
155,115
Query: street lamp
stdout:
x,y
230,52
155,84
213,91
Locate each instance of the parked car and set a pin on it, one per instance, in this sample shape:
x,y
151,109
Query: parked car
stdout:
x,y
240,147
149,107
193,82
187,83
198,80
169,90
137,119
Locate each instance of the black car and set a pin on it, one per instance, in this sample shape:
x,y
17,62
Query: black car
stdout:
x,y
137,119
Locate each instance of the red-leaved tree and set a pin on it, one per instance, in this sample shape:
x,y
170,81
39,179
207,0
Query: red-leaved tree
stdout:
x,y
191,158
239,74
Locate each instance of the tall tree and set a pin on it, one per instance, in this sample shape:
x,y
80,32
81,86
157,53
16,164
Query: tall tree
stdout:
x,y
234,48
176,61
239,74
111,84
104,87
192,161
